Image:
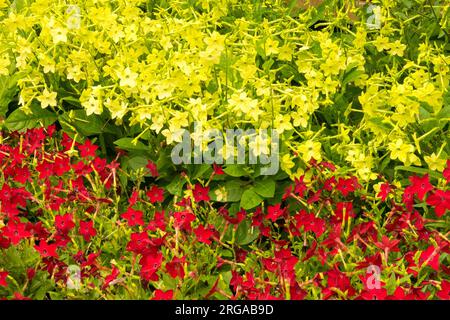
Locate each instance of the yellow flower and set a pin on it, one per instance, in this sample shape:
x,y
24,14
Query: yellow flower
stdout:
x,y
382,43
403,152
241,103
127,78
286,163
271,47
299,118
117,108
397,48
4,64
47,63
90,100
58,34
173,136
259,145
435,163
285,53
283,123
215,42
47,98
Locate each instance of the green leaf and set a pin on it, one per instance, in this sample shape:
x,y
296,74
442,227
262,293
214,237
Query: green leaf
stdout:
x,y
245,233
129,145
381,123
230,192
8,89
418,171
175,187
137,162
235,170
201,170
84,124
351,76
250,199
391,284
19,120
265,188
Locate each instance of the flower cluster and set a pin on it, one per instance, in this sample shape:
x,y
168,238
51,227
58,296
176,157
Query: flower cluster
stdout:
x,y
353,96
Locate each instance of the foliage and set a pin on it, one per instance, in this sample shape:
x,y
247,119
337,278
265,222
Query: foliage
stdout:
x,y
63,207
368,99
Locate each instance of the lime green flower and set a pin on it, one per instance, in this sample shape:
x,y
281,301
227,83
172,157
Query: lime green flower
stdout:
x,y
47,98
310,150
435,163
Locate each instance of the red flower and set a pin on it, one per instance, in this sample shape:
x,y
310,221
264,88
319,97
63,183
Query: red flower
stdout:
x,y
163,295
444,293
408,197
374,294
133,217
22,175
139,242
61,165
183,219
440,200
399,294
175,268
87,149
300,186
150,265
203,235
45,169
309,222
200,193
274,212
46,250
430,257
269,264
15,232
151,166
345,186
87,230
3,275
240,215
344,210
387,244
385,189
31,272
420,186
155,194
296,292
328,165
66,141
339,280
446,172
64,223
329,184
158,222
16,157
18,296
218,169
134,198
111,277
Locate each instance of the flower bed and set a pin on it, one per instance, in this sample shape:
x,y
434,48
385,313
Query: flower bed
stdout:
x,y
118,121
68,229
